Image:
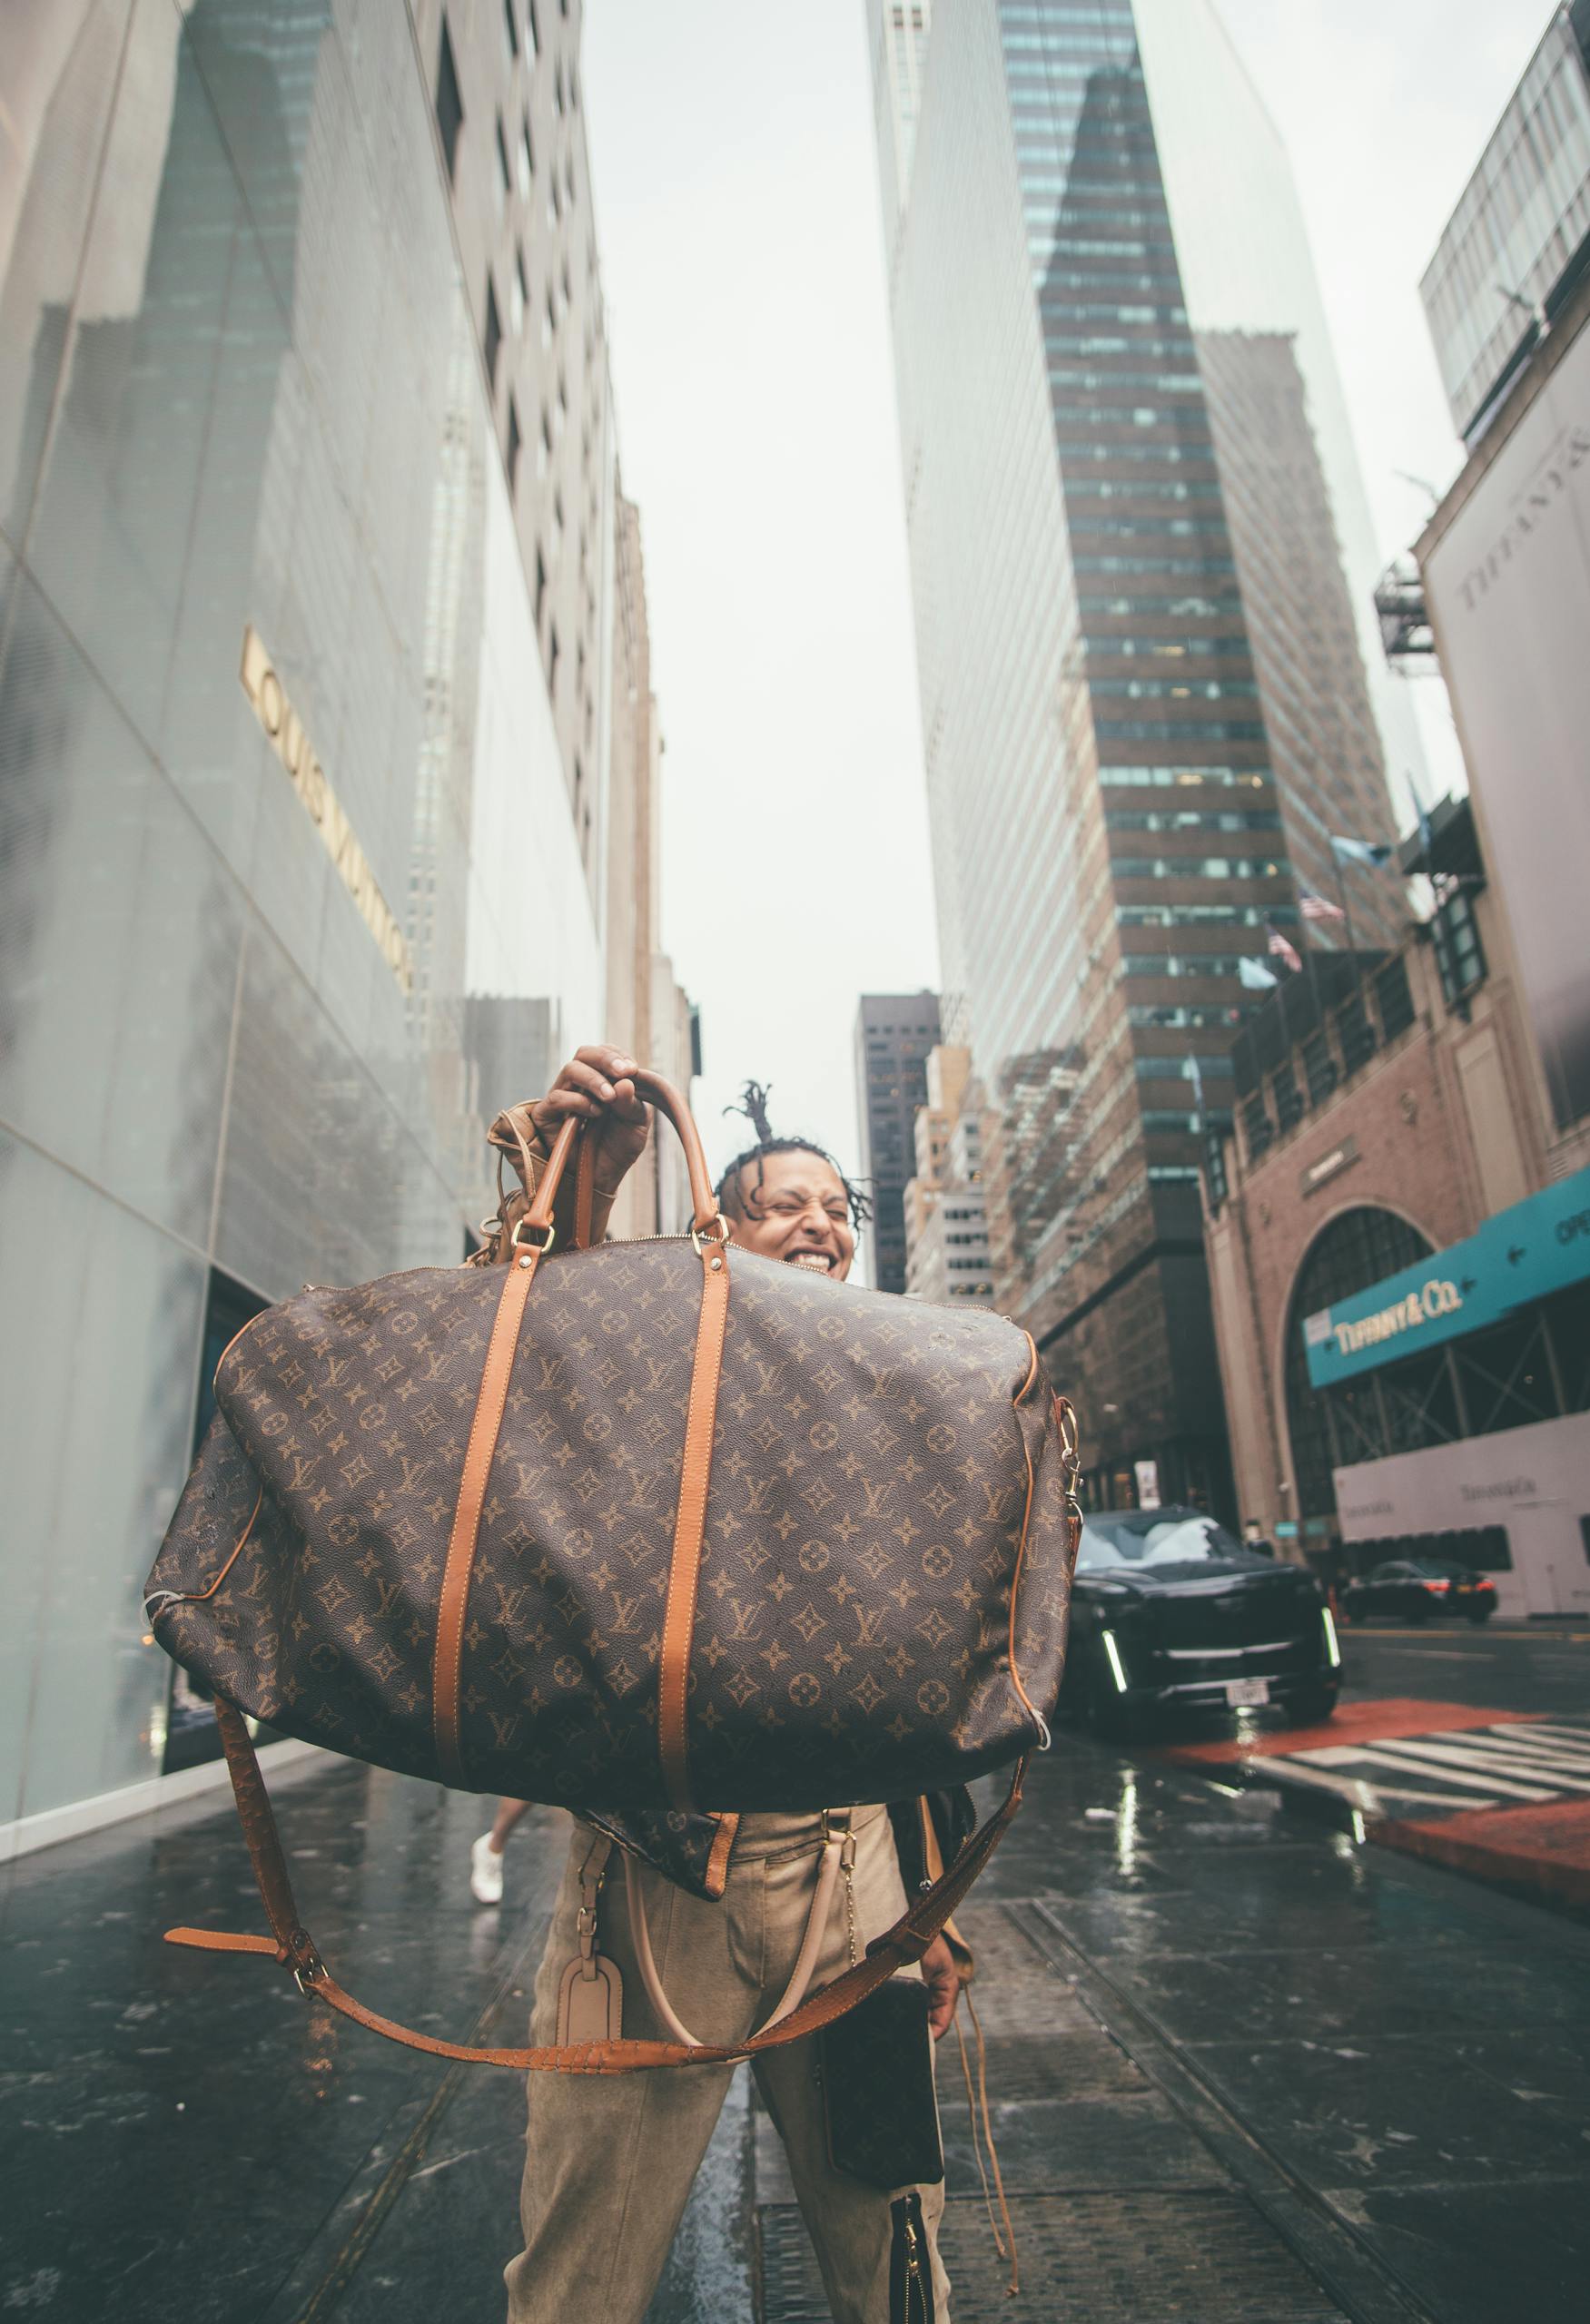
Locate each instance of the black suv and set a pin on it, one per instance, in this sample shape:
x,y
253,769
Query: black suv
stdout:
x,y
1171,1613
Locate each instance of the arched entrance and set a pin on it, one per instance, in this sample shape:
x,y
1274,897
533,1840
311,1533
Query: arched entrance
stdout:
x,y
1361,1247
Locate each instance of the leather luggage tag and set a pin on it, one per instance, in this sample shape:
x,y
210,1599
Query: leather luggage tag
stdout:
x,y
590,1992
591,2000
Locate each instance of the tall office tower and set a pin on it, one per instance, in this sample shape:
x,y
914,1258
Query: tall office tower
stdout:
x,y
894,1032
1071,196
1325,747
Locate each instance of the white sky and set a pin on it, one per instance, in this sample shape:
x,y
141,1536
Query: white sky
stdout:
x,y
741,247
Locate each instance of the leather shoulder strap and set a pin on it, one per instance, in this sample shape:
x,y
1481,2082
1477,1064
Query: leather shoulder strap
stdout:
x,y
291,1944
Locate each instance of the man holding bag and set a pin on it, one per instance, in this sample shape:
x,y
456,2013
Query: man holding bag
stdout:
x,y
714,1926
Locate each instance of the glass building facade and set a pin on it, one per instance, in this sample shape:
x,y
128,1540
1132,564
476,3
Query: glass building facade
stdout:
x,y
1516,242
1114,823
300,868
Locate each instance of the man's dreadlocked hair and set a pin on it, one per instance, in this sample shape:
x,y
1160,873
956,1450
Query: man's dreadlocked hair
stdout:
x,y
733,1198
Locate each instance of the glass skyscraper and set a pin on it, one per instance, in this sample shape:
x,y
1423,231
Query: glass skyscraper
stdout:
x,y
315,826
1136,738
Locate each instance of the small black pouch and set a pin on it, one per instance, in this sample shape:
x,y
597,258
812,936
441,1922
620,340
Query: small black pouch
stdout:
x,y
876,2068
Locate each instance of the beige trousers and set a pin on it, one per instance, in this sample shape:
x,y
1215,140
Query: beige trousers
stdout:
x,y
610,2159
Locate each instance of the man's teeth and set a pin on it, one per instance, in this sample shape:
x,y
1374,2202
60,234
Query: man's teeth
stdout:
x,y
818,1260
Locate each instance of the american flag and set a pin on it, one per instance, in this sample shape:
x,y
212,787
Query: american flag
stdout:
x,y
1276,942
1318,907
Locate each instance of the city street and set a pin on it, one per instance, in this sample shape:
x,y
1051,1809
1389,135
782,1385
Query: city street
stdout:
x,y
1544,1668
1242,2067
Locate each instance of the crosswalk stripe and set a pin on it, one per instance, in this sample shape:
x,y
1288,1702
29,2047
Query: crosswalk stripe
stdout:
x,y
1366,1796
1383,1755
1566,1734
1497,1761
1546,1749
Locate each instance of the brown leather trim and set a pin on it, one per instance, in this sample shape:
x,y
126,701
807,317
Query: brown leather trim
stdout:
x,y
197,1597
717,1863
495,1374
291,1943
685,1565
1026,1700
584,1190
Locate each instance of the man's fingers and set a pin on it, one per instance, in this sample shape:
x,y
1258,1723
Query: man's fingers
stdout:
x,y
610,1064
589,1078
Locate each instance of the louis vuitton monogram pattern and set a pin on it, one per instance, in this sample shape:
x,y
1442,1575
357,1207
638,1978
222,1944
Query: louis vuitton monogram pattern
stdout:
x,y
876,1469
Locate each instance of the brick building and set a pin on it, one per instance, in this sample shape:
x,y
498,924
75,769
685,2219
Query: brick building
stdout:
x,y
1391,1113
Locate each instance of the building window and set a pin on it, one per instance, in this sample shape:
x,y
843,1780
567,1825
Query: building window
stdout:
x,y
493,337
1288,1102
518,293
511,32
1393,998
450,105
544,447
504,182
1257,1130
1355,1032
1459,954
540,587
514,442
532,30
557,86
553,650
525,159
549,322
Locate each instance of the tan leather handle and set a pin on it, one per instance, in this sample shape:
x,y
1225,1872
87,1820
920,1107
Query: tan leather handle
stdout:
x,y
667,1100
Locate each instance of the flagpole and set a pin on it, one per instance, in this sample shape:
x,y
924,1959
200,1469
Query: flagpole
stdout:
x,y
1346,922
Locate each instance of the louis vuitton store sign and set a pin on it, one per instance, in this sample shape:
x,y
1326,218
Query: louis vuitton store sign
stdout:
x,y
285,730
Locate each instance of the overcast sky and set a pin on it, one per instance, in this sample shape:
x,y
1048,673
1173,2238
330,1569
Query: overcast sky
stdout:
x,y
737,215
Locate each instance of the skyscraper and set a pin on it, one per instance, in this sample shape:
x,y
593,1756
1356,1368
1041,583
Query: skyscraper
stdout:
x,y
894,1032
1072,197
310,541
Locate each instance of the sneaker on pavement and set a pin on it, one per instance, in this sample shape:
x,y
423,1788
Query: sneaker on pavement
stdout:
x,y
485,1872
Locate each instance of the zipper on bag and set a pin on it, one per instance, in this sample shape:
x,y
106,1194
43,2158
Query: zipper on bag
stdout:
x,y
911,2292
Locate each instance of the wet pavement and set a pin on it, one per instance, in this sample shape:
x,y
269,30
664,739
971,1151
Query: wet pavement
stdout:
x,y
1242,2069
1542,1667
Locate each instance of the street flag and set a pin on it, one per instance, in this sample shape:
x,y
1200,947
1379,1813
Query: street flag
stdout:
x,y
1196,1078
1313,907
1276,942
1374,853
1253,975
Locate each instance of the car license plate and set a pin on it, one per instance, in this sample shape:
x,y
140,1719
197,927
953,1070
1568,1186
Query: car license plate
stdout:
x,y
1247,1694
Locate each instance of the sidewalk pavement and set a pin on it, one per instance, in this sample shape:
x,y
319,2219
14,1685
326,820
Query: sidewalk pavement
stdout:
x,y
1242,2070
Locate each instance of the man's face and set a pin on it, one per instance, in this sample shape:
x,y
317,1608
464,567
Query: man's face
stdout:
x,y
800,1214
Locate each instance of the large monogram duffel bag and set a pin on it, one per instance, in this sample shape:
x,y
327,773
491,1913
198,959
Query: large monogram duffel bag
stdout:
x,y
653,1524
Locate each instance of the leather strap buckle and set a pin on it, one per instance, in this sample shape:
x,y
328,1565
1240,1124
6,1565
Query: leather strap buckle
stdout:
x,y
523,1230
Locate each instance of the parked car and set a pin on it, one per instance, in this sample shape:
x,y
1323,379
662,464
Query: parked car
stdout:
x,y
1171,1614
1413,1589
